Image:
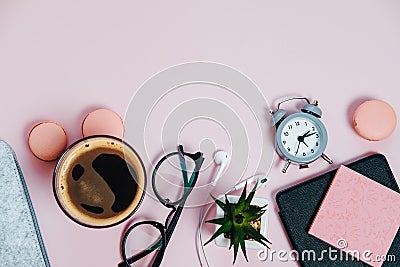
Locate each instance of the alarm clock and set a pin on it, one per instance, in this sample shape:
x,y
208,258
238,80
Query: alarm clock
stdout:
x,y
301,137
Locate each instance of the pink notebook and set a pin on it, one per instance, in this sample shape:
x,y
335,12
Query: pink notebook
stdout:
x,y
358,216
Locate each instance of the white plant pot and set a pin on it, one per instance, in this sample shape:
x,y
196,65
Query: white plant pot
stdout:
x,y
250,244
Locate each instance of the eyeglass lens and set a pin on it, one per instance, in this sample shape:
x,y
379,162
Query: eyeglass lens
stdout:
x,y
169,180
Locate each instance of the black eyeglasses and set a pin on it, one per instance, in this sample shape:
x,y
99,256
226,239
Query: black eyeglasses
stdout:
x,y
173,180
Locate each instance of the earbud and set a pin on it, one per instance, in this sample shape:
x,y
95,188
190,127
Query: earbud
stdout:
x,y
261,180
222,159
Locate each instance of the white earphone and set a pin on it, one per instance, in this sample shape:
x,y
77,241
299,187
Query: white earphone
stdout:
x,y
222,159
260,179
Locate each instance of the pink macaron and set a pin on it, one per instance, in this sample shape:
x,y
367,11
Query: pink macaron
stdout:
x,y
375,120
103,122
47,140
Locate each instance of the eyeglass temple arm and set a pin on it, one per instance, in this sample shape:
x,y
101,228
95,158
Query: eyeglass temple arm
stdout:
x,y
175,218
198,160
182,162
168,234
137,257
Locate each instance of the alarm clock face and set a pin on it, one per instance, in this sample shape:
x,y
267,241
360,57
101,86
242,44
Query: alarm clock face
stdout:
x,y
301,138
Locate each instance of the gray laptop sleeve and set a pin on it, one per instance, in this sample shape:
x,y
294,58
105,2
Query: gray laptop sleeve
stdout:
x,y
20,241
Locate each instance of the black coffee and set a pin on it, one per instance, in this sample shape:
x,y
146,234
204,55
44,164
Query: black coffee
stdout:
x,y
101,182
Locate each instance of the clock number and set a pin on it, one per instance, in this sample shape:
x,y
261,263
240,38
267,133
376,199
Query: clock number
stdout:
x,y
317,136
313,128
290,127
305,123
312,150
304,154
288,149
297,123
286,133
284,142
316,144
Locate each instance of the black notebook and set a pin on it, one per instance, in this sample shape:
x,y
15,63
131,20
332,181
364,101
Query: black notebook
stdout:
x,y
299,204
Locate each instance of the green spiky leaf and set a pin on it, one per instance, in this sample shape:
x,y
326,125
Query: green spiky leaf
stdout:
x,y
219,221
241,237
251,232
235,241
242,199
251,196
253,213
225,228
219,203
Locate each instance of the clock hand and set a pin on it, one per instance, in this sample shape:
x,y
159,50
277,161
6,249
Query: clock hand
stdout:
x,y
300,139
309,134
305,143
306,133
298,146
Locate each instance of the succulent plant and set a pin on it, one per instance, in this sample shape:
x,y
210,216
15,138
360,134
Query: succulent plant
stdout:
x,y
237,222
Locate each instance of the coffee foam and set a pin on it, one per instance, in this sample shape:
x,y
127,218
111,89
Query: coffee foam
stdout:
x,y
91,189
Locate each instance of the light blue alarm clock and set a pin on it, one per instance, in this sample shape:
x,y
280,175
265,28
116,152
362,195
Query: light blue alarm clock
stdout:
x,y
301,137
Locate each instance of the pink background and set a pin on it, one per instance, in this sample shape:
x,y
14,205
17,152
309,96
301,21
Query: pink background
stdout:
x,y
59,60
